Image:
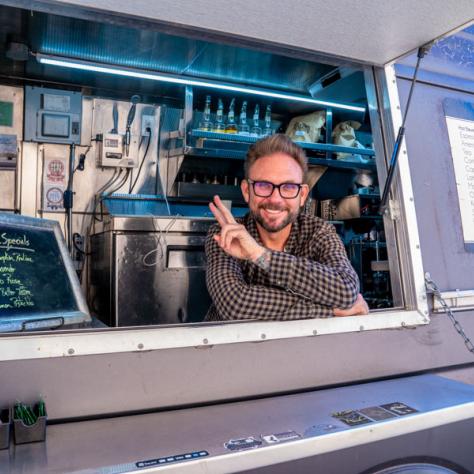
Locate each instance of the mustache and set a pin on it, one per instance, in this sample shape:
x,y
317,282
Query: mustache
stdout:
x,y
273,207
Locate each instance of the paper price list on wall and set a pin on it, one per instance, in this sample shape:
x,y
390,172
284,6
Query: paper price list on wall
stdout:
x,y
15,253
461,138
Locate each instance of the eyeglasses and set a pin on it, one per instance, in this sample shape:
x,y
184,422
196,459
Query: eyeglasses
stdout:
x,y
265,189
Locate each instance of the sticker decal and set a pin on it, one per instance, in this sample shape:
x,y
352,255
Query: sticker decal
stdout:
x,y
174,458
399,408
351,417
321,429
377,413
280,437
243,443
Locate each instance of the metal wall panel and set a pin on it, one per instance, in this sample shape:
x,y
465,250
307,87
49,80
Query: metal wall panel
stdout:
x,y
434,186
88,385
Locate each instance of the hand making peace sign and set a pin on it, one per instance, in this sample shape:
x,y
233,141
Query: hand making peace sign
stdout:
x,y
234,238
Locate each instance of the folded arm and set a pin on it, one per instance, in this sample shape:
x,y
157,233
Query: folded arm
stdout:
x,y
234,298
329,281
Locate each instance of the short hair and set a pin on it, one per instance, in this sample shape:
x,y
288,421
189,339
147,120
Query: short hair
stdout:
x,y
278,143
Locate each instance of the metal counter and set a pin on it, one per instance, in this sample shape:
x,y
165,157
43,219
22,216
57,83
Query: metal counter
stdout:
x,y
423,422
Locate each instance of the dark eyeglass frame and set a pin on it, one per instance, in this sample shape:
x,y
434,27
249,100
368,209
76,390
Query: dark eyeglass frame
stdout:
x,y
278,186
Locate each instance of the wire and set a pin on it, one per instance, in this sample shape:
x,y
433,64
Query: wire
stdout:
x,y
130,190
122,182
85,155
161,242
76,234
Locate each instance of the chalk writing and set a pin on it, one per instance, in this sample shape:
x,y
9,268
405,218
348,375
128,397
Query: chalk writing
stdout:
x,y
34,281
15,292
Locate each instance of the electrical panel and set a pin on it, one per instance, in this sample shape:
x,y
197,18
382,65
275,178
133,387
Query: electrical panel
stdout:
x,y
52,115
111,151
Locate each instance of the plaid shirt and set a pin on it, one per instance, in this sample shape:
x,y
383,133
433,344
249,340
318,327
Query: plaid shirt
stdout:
x,y
312,276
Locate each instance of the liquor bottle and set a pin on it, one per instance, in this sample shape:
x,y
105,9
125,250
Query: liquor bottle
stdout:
x,y
268,122
244,129
205,123
256,131
219,127
231,126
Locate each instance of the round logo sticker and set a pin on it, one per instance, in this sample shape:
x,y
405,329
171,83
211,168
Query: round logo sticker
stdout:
x,y
56,170
54,197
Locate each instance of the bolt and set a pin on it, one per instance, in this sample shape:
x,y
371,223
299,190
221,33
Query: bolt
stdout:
x,y
403,324
205,341
140,346
315,332
70,351
263,336
411,199
417,246
361,328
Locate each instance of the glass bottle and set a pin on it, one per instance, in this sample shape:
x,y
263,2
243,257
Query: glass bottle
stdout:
x,y
268,122
206,123
256,131
231,126
244,129
219,127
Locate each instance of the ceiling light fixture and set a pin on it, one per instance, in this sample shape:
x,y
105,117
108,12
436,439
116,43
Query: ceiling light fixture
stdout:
x,y
187,81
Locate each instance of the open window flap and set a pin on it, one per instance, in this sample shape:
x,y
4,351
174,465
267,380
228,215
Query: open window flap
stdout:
x,y
370,31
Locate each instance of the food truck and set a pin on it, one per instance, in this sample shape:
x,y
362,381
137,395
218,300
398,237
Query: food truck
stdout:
x,y
118,124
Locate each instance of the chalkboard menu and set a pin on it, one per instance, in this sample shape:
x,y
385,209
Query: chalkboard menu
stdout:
x,y
34,281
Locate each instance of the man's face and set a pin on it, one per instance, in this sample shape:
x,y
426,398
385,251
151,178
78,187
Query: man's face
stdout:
x,y
274,212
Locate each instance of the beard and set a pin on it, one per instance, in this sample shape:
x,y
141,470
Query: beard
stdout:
x,y
269,226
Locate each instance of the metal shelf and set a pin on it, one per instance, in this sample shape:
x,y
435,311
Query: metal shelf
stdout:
x,y
233,154
324,147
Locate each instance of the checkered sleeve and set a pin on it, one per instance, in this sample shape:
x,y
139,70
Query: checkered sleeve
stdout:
x,y
234,298
326,277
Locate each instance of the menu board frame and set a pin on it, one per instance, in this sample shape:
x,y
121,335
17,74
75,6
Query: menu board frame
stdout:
x,y
459,115
56,319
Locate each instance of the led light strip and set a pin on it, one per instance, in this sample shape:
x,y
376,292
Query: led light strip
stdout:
x,y
88,66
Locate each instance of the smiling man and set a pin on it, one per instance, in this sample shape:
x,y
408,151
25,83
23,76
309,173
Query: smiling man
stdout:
x,y
277,263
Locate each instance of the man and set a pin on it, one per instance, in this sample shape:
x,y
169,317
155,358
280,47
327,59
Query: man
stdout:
x,y
277,263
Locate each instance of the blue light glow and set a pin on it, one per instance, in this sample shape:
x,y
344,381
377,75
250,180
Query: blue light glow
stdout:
x,y
88,66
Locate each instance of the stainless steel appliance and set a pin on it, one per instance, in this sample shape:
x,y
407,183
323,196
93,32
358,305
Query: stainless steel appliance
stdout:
x,y
149,270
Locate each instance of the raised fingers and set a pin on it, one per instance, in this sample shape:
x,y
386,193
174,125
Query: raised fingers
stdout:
x,y
217,214
224,211
228,233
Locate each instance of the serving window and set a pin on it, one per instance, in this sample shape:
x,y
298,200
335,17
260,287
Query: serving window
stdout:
x,y
140,214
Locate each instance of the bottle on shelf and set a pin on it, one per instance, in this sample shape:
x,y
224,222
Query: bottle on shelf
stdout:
x,y
219,125
267,131
206,123
256,131
244,129
231,126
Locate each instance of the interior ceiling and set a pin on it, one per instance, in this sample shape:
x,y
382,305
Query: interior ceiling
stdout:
x,y
144,49
369,31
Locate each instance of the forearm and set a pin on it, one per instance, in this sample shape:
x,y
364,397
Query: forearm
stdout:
x,y
235,299
334,285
